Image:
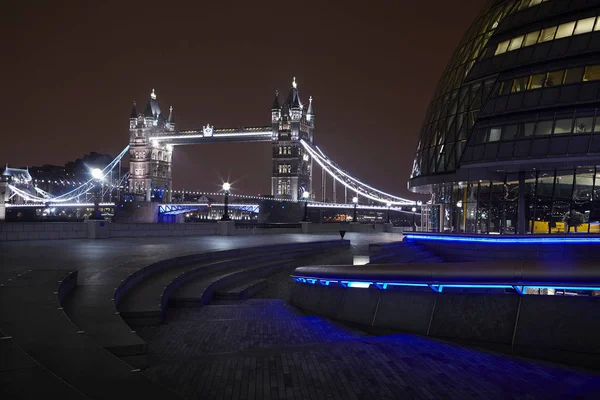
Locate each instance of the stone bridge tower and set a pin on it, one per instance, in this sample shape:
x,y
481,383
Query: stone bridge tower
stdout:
x,y
292,165
150,161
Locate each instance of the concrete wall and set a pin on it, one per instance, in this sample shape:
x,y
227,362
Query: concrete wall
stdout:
x,y
558,328
466,251
42,231
79,230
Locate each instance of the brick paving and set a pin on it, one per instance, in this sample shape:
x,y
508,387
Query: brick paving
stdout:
x,y
265,349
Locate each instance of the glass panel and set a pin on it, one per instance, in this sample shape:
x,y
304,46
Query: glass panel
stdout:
x,y
597,126
543,128
520,84
563,126
502,47
562,201
583,124
592,73
543,208
584,25
495,134
516,43
537,81
554,78
531,38
530,201
511,205
579,219
527,129
565,30
547,34
524,4
597,27
509,132
506,87
574,75
496,207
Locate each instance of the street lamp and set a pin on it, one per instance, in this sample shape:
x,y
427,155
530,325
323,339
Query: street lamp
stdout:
x,y
98,176
388,213
414,210
305,196
355,201
226,187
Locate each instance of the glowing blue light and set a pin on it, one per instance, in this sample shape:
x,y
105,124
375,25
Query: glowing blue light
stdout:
x,y
360,285
384,285
468,286
562,287
326,282
472,239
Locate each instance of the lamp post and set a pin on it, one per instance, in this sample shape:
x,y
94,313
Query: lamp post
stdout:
x,y
226,187
389,205
305,196
414,210
98,176
355,201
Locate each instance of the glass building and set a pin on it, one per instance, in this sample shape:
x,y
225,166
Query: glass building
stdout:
x,y
511,140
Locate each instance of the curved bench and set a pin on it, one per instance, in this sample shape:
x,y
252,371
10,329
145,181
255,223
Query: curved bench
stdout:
x,y
45,352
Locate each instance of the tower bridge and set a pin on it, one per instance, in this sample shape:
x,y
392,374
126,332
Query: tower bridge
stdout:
x,y
153,137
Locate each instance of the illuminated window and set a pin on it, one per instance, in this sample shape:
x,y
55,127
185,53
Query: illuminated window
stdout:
x,y
583,124
280,150
592,73
547,34
495,134
531,38
565,30
502,47
537,81
527,129
574,75
563,126
520,84
554,78
506,86
516,43
543,128
584,25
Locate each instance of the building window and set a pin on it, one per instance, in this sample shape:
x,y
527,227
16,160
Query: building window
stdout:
x,y
543,128
563,126
516,43
509,132
554,78
592,73
574,75
495,134
502,47
583,124
565,30
584,26
520,84
537,81
547,34
531,38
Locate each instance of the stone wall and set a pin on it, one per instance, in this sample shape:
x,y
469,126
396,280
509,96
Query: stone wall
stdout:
x,y
452,251
42,231
558,328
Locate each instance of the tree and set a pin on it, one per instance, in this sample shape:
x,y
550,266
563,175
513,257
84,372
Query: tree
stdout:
x,y
574,219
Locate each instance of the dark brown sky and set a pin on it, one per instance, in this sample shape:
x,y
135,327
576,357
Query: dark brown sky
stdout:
x,y
70,70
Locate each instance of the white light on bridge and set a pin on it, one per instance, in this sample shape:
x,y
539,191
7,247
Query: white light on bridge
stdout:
x,y
226,186
97,173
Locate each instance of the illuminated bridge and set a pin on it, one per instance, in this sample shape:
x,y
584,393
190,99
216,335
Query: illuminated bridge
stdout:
x,y
153,137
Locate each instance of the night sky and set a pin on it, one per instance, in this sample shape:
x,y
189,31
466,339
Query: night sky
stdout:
x,y
71,70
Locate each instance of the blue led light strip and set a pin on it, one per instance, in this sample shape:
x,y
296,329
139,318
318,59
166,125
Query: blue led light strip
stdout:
x,y
438,287
533,240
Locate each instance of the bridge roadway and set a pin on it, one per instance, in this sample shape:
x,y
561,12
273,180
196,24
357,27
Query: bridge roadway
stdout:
x,y
263,348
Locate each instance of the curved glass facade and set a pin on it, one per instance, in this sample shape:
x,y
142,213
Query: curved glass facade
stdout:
x,y
511,140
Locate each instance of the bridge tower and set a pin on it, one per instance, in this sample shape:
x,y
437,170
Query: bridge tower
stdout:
x,y
292,165
150,161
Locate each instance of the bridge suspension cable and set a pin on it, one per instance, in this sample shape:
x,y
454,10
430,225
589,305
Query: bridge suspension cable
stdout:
x,y
71,195
349,181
